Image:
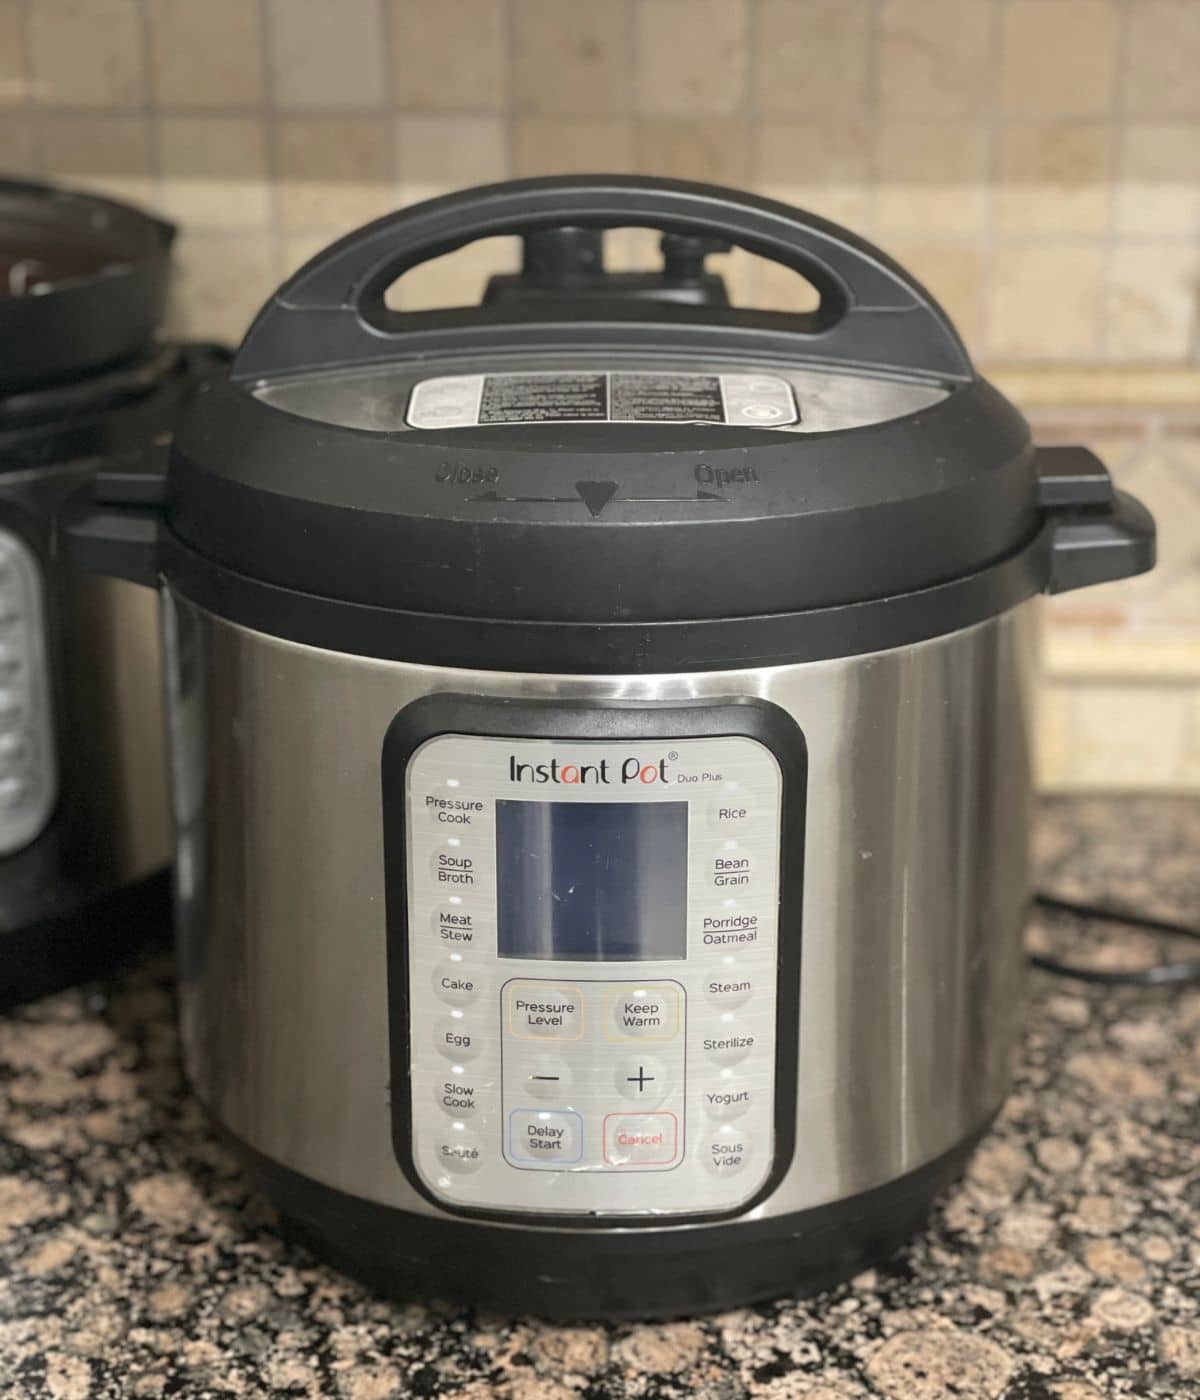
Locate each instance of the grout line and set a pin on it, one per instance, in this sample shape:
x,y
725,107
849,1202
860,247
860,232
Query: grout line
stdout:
x,y
1116,120
873,114
271,143
512,107
989,239
394,150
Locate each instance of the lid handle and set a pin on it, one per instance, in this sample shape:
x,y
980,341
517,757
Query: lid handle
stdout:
x,y
332,311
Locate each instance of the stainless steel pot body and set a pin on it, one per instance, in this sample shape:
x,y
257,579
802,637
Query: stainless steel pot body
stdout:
x,y
915,885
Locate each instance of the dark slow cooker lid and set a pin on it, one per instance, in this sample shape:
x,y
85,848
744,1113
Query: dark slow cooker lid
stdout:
x,y
82,282
307,471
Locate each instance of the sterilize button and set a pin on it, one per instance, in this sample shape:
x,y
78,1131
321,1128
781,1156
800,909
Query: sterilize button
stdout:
x,y
453,1037
640,1139
549,1137
549,1078
454,982
543,1010
642,1078
458,1150
457,1093
455,864
730,1042
728,1098
650,1011
725,1150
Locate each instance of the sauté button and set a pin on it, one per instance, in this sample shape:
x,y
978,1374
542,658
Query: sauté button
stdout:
x,y
543,1010
457,1094
545,1136
642,1078
640,1139
644,1011
458,1150
454,981
455,864
725,1150
548,1078
453,1037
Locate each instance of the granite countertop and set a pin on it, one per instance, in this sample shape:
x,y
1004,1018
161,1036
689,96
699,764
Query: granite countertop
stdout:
x,y
134,1261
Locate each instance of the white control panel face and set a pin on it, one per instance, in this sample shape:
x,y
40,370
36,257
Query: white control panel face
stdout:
x,y
592,966
28,767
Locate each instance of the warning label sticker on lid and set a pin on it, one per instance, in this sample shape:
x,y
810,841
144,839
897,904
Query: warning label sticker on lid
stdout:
x,y
602,396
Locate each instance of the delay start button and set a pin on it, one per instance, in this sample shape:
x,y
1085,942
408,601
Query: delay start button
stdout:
x,y
545,1137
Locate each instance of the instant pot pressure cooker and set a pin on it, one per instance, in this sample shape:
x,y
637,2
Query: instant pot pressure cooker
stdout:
x,y
84,823
600,726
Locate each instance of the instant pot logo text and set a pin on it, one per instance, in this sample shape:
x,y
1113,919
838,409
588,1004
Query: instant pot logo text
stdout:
x,y
605,773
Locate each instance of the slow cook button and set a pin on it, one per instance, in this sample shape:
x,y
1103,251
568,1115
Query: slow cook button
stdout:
x,y
455,864
453,1037
649,1011
543,1011
457,1095
458,1150
729,1043
640,1139
725,1150
546,1136
454,982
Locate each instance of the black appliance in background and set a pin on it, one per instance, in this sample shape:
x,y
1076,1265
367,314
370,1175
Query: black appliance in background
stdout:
x,y
84,828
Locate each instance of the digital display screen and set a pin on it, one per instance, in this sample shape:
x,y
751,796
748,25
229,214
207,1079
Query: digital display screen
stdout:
x,y
592,881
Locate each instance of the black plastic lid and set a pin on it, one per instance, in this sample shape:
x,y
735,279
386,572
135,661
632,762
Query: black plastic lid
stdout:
x,y
306,494
82,282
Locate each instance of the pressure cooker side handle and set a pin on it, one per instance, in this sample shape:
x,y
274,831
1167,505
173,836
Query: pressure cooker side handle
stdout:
x,y
1099,534
332,311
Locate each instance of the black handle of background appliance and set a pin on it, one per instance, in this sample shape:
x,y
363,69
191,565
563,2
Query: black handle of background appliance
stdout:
x,y
1100,534
332,311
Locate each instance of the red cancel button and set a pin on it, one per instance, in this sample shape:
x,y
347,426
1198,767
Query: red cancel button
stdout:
x,y
640,1139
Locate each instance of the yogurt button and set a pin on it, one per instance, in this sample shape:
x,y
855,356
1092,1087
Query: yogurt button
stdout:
x,y
727,1097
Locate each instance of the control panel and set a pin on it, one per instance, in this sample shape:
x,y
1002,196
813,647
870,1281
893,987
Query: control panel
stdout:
x,y
28,767
591,963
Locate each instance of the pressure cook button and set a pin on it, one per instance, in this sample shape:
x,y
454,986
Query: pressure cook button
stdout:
x,y
640,1139
642,1078
453,1037
448,811
458,1150
548,1137
457,1094
728,1098
455,864
455,923
729,1043
454,982
543,1010
548,1078
725,1150
644,1011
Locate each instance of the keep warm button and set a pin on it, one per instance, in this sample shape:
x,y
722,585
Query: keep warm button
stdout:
x,y
640,1139
644,1011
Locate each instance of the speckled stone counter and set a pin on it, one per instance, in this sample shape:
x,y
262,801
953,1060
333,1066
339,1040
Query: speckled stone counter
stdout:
x,y
134,1261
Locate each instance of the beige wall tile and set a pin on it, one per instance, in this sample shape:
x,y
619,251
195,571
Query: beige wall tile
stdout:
x,y
87,53
810,56
690,56
1159,189
332,172
1128,737
326,55
104,153
820,165
715,149
953,272
16,143
1058,57
449,54
1162,59
1044,301
935,60
932,177
213,172
1054,736
436,154
1054,178
542,146
458,278
220,282
1150,304
205,55
570,56
14,74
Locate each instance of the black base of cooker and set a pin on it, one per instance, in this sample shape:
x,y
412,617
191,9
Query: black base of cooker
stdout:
x,y
599,1275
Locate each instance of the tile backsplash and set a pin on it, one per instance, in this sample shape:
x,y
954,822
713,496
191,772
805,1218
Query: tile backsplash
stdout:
x,y
1037,161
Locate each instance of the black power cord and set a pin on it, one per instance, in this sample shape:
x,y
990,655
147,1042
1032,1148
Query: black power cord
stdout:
x,y
1167,974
